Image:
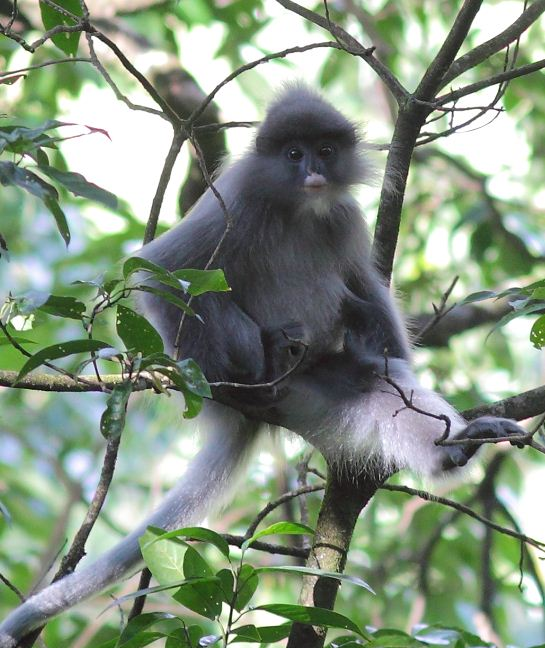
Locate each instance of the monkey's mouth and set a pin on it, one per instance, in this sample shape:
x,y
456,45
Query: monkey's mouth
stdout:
x,y
314,182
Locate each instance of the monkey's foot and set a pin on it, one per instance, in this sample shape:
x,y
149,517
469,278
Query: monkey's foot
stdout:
x,y
485,427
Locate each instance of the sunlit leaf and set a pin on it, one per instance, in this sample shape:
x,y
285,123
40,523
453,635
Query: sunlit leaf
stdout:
x,y
537,334
289,528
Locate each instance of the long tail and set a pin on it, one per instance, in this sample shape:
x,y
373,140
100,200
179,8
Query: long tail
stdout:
x,y
202,488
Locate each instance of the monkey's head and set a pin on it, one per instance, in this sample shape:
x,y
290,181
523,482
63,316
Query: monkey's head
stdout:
x,y
308,153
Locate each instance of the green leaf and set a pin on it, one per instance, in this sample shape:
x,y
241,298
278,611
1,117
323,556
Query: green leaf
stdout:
x,y
24,140
137,333
133,633
348,641
31,301
527,309
168,296
203,596
262,634
537,334
227,585
68,307
203,281
195,566
194,378
163,556
478,296
59,216
248,633
289,528
246,582
154,271
187,637
62,350
11,174
79,186
193,402
20,340
194,533
317,572
67,42
112,420
392,639
312,616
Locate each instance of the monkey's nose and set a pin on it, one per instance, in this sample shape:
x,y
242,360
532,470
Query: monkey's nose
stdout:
x,y
314,181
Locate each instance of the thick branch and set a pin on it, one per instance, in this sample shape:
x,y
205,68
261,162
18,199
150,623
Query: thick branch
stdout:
x,y
344,498
459,320
434,75
519,407
412,116
496,79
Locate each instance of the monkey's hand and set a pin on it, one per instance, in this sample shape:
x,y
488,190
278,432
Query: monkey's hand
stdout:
x,y
485,427
283,347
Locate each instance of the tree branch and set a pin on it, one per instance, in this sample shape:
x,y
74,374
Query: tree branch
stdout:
x,y
484,51
351,45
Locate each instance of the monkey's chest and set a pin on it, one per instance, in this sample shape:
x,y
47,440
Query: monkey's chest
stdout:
x,y
312,299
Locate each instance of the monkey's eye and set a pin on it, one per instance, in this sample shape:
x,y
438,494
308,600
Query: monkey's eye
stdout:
x,y
295,154
325,151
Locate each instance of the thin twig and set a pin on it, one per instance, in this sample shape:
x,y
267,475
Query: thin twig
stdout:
x,y
278,502
429,497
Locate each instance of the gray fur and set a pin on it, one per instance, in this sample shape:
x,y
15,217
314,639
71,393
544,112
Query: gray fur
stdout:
x,y
293,255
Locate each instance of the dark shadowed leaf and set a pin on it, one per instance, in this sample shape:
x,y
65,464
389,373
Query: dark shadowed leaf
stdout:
x,y
134,631
187,637
62,350
59,216
312,616
194,378
68,307
203,596
136,332
262,634
79,186
246,584
112,421
11,174
195,566
227,585
67,42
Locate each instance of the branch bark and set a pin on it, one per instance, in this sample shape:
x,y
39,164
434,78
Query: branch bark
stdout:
x,y
344,499
494,45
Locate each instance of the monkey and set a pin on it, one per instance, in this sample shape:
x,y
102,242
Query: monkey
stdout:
x,y
298,261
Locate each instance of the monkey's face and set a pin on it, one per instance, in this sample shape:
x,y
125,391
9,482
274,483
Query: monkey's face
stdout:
x,y
309,174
